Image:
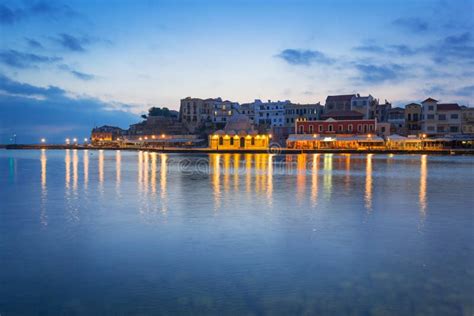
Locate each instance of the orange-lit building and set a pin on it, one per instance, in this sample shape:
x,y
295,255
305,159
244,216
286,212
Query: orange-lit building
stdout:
x,y
238,134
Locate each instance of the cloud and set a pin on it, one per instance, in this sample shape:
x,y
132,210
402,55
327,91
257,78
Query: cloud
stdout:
x,y
416,25
9,15
61,115
72,43
79,75
376,74
467,91
392,50
453,48
16,59
32,43
304,57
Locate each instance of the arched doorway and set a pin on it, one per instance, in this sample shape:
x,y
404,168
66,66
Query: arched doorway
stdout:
x,y
242,142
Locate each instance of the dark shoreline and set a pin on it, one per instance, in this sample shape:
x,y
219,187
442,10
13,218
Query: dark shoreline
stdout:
x,y
283,151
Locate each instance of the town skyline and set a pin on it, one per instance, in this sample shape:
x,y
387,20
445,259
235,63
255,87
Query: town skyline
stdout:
x,y
71,61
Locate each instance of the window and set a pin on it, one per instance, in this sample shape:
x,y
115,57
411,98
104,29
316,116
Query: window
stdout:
x,y
415,117
409,116
430,116
311,129
301,129
442,117
453,129
359,128
431,128
350,127
454,116
232,141
221,141
320,128
330,128
340,127
430,108
252,141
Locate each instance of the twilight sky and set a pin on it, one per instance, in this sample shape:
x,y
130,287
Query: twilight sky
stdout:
x,y
67,66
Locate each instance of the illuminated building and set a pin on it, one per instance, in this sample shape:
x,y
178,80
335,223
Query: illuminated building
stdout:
x,y
238,134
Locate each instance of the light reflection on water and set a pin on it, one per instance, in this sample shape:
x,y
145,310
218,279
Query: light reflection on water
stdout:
x,y
235,233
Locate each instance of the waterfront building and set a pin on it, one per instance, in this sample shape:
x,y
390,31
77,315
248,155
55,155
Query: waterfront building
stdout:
x,y
342,115
396,118
248,109
157,122
364,105
339,102
270,114
382,111
198,113
238,133
467,120
293,112
105,134
413,118
440,118
332,126
160,141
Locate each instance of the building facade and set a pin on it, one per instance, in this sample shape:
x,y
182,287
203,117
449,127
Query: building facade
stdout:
x,y
413,118
293,112
238,133
396,118
271,113
339,102
467,120
332,127
440,118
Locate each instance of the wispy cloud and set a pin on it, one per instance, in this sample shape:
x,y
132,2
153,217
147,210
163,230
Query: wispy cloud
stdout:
x,y
72,43
392,50
374,74
304,57
32,43
10,15
410,24
78,74
61,115
16,59
453,48
467,91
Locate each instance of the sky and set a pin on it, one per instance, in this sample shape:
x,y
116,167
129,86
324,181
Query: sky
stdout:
x,y
67,66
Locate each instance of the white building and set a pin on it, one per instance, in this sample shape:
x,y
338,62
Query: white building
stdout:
x,y
271,114
440,118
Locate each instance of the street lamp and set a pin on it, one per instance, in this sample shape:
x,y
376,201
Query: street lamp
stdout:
x,y
74,140
43,140
67,141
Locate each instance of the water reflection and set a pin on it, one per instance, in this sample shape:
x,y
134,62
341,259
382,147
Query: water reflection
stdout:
x,y
314,180
368,183
216,170
85,161
164,182
101,171
300,178
328,159
75,165
118,169
423,179
44,189
67,164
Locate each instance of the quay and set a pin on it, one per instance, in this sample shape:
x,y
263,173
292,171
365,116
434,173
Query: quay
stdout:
x,y
282,151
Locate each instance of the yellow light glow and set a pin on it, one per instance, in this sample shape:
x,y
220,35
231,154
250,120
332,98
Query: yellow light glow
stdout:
x,y
162,135
153,136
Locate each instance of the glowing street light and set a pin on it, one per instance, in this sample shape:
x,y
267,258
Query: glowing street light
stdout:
x,y
163,135
86,140
74,140
43,140
68,141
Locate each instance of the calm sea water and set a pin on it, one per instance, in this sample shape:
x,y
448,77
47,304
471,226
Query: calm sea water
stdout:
x,y
115,232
